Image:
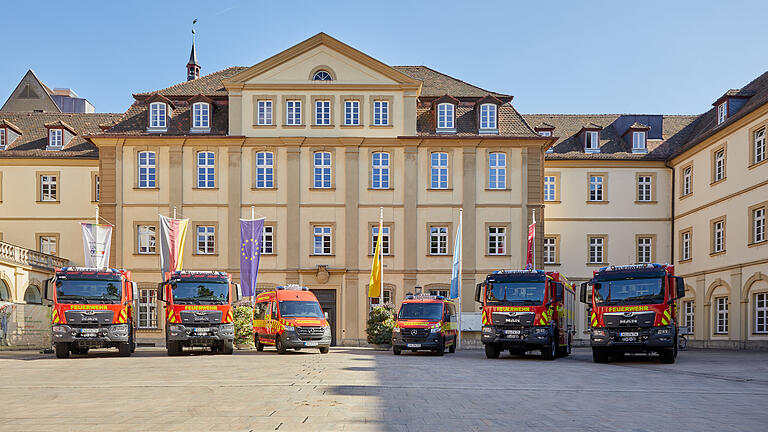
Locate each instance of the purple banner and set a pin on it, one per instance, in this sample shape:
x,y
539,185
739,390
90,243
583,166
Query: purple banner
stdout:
x,y
250,253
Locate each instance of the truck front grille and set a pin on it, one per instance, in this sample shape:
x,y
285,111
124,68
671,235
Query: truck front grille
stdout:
x,y
310,333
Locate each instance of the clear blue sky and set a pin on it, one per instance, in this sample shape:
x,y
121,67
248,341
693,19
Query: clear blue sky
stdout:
x,y
554,56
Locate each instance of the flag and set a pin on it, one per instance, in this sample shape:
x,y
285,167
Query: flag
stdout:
x,y
96,243
531,245
374,285
172,235
456,266
250,253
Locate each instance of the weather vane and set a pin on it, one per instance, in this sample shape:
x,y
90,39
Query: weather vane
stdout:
x,y
194,21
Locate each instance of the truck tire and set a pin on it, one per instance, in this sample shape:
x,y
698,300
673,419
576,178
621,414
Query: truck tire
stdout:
x,y
173,347
62,350
396,350
325,350
259,345
549,351
441,349
279,345
452,348
124,348
667,356
228,347
599,355
492,351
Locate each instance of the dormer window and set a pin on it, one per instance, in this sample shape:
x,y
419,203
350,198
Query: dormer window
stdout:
x,y
546,133
201,116
722,112
445,117
322,75
639,144
55,138
2,139
488,117
591,142
157,115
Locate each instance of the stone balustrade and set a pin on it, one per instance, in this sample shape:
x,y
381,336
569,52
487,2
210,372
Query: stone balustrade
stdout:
x,y
28,257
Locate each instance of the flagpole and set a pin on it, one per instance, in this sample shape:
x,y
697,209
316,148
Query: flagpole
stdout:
x,y
533,244
97,214
381,255
461,249
253,212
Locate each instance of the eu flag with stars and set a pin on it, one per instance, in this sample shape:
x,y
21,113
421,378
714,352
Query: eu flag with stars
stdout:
x,y
250,253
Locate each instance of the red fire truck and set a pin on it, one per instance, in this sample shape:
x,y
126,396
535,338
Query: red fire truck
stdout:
x,y
526,310
198,310
425,322
632,309
92,308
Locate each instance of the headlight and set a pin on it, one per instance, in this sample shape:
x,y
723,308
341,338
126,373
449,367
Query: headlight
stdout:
x,y
396,329
289,328
435,329
598,332
59,329
176,328
120,328
487,329
663,331
327,330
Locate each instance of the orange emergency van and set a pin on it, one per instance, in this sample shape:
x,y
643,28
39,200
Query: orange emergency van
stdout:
x,y
290,317
425,322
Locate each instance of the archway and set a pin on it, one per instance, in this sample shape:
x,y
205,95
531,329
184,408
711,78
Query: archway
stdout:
x,y
5,293
32,295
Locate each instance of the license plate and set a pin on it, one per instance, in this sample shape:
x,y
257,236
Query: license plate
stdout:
x,y
629,334
202,330
512,332
310,343
414,345
89,330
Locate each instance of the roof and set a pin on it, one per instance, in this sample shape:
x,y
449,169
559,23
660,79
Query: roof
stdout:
x,y
436,84
193,56
135,120
34,134
511,123
209,85
25,96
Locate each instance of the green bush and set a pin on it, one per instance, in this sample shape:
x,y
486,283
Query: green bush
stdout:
x,y
380,324
244,325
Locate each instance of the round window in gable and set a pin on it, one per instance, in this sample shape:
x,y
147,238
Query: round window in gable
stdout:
x,y
322,75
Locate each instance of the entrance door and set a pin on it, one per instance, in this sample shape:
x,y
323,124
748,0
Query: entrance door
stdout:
x,y
327,299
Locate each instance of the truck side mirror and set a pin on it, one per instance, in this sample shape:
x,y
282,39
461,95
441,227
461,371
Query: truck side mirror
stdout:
x,y
325,314
160,292
583,293
48,289
680,285
478,291
238,292
558,292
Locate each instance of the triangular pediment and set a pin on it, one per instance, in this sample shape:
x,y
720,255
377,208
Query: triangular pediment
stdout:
x,y
31,95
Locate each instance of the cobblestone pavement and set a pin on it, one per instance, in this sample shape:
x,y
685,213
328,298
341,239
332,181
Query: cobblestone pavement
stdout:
x,y
360,389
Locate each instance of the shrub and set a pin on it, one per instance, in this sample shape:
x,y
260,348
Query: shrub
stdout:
x,y
244,325
380,324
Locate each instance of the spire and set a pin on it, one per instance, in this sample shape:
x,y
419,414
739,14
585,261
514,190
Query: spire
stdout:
x,y
193,67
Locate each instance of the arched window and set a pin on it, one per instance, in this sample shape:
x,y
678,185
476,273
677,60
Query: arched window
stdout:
x,y
445,115
201,115
32,295
157,114
322,75
206,169
5,294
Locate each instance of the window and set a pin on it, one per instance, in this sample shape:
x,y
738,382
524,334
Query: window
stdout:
x,y
719,166
380,170
323,112
322,75
687,181
48,244
545,133
2,138
644,188
550,250
721,315
96,188
497,240
157,115
264,113
48,191
147,169
596,250
147,239
206,173
293,112
439,170
322,170
322,245
206,240
722,112
380,113
644,250
55,138
550,184
718,236
438,240
761,313
487,116
758,225
386,296
351,113
265,170
591,142
685,245
148,308
596,188
201,115
759,146
384,239
688,315
439,292
497,170
268,240
445,116
638,142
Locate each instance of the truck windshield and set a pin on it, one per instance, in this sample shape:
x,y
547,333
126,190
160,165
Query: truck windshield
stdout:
x,y
88,291
628,291
515,293
424,311
300,309
201,293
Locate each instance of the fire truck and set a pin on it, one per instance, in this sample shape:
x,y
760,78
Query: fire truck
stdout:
x,y
526,310
92,308
632,310
425,322
198,310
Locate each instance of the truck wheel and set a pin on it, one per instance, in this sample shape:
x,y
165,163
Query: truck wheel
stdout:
x,y
492,351
600,355
173,347
62,349
570,345
132,341
452,348
324,350
259,345
124,348
396,350
441,349
549,351
228,348
279,345
667,356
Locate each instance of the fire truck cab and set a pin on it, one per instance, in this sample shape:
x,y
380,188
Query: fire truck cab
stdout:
x,y
92,308
425,322
198,310
632,309
290,317
526,310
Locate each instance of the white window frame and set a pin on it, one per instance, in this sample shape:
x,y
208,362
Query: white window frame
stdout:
x,y
721,315
596,188
438,240
264,112
550,250
592,141
146,240
722,112
322,176
206,239
386,296
55,138
596,250
352,113
201,115
385,239
685,240
438,177
761,312
550,188
48,244
639,142
497,170
322,112
719,165
97,188
380,113
488,117
380,162
545,133
293,112
323,240
758,225
265,170
718,236
497,240
158,115
687,180
147,169
49,188
206,170
268,240
148,308
440,292
644,250
759,146
3,138
446,113
644,188
689,315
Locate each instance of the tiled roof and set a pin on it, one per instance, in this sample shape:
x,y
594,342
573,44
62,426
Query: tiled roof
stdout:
x,y
209,85
34,134
511,123
135,120
436,84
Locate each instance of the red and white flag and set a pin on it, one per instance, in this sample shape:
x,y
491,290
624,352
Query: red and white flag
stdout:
x,y
531,244
172,235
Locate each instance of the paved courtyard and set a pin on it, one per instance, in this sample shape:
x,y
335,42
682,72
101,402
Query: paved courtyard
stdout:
x,y
360,389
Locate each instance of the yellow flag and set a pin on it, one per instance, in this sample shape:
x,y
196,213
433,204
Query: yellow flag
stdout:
x,y
374,286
